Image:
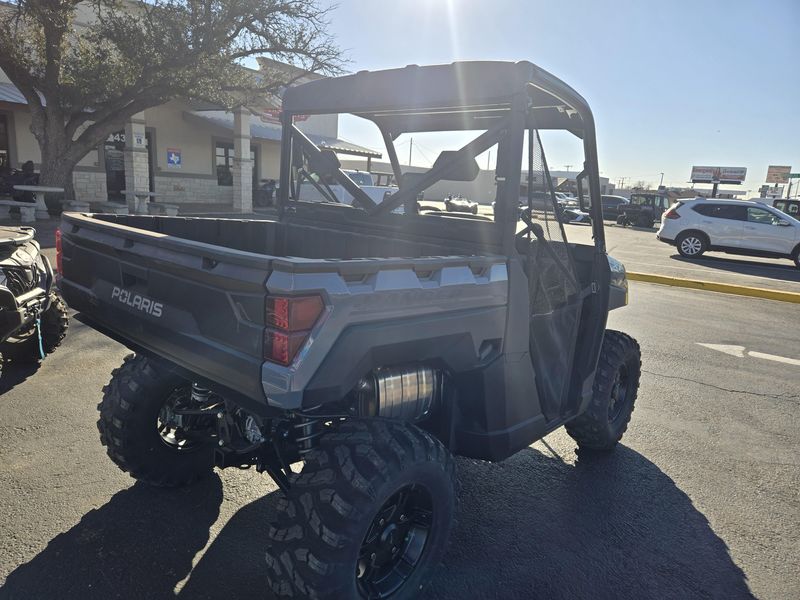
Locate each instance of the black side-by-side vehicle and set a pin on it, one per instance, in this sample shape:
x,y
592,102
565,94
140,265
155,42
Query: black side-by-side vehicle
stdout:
x,y
33,318
350,350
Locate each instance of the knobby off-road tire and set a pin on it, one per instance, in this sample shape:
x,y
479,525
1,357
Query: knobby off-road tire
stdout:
x,y
54,324
616,383
333,513
128,425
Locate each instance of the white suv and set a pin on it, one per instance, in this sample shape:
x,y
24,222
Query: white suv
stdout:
x,y
733,226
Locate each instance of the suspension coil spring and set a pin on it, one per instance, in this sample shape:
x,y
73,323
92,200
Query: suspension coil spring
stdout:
x,y
307,430
200,395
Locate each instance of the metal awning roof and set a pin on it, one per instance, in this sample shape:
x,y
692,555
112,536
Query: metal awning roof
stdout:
x,y
9,93
264,131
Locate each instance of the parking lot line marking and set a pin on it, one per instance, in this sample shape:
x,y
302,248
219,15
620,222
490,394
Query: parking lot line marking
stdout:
x,y
740,352
737,351
774,357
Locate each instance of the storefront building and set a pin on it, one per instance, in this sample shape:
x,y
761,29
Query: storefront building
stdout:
x,y
190,155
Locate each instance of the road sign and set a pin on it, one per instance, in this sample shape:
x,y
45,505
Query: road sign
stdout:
x,y
794,175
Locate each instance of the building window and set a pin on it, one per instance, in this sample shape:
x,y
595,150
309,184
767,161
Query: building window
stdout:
x,y
223,160
5,159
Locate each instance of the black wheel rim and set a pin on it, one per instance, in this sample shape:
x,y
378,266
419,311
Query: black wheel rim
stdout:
x,y
181,432
619,395
395,543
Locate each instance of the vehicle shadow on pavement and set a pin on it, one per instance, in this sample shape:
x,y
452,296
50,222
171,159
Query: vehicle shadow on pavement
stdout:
x,y
15,374
779,270
140,544
533,526
609,526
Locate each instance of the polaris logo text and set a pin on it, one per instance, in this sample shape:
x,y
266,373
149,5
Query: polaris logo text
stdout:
x,y
151,307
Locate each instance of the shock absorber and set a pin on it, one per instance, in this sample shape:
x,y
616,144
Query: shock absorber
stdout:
x,y
200,395
307,430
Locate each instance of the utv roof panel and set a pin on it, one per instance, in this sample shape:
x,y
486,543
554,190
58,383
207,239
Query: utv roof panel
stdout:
x,y
458,96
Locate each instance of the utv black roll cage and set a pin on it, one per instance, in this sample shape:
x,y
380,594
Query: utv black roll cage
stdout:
x,y
502,99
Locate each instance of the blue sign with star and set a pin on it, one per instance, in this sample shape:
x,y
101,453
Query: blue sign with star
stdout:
x,y
174,157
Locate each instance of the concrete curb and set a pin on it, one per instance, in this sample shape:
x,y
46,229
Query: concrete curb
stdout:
x,y
711,286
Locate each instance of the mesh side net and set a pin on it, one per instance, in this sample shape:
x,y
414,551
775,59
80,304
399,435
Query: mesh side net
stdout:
x,y
552,267
555,298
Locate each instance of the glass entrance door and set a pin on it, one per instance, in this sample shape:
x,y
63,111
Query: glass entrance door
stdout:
x,y
114,153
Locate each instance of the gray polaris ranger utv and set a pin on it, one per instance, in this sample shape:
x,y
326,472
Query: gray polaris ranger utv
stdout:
x,y
350,350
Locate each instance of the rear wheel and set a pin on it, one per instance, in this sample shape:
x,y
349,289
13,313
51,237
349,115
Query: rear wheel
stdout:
x,y
368,517
141,431
645,221
55,322
616,384
691,244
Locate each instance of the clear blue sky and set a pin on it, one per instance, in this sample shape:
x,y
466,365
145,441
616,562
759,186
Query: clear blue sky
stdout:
x,y
672,83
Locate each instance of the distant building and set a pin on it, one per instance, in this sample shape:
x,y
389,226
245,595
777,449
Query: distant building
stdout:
x,y
183,152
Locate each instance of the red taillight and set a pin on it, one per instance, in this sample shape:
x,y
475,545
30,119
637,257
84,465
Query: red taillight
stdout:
x,y
672,213
293,314
289,321
59,259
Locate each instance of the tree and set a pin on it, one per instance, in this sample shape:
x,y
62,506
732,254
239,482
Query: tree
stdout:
x,y
85,67
641,185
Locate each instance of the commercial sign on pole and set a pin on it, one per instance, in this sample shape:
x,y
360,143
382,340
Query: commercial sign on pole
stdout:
x,y
718,174
778,174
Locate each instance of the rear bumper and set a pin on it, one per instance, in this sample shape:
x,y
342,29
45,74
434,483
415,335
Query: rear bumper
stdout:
x,y
666,240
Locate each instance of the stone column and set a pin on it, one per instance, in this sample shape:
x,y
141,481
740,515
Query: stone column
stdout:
x,y
137,167
242,164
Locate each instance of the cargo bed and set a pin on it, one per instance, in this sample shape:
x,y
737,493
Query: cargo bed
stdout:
x,y
192,290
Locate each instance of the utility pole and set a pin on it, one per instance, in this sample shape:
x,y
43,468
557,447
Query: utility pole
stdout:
x,y
568,167
410,149
661,183
489,160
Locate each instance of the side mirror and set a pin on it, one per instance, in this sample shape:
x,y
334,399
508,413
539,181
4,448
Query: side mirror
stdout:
x,y
461,167
324,163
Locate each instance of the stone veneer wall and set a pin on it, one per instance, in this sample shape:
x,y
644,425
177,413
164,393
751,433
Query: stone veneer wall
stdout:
x,y
191,189
90,186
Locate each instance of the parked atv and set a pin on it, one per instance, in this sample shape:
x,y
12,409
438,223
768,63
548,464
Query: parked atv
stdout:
x,y
33,318
370,347
644,210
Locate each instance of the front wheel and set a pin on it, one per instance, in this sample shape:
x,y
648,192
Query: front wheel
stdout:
x,y
53,327
796,257
616,383
142,432
368,517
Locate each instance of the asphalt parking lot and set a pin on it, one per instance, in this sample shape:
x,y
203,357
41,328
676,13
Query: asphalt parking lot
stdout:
x,y
700,501
640,251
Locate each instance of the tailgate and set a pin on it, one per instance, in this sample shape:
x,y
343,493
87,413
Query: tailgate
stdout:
x,y
198,305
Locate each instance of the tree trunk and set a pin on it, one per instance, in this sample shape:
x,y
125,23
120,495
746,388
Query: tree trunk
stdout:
x,y
57,167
